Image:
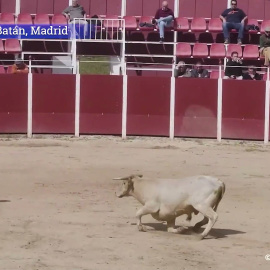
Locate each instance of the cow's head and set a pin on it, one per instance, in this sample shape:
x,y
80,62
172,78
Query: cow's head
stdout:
x,y
127,185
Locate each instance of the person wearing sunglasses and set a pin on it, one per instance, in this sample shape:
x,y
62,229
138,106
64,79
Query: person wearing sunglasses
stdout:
x,y
265,46
233,18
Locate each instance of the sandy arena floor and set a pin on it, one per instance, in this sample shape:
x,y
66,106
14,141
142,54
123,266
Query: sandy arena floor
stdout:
x,y
63,214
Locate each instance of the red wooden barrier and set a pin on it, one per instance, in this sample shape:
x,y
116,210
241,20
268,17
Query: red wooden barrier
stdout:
x,y
243,109
196,108
13,103
53,104
101,104
148,106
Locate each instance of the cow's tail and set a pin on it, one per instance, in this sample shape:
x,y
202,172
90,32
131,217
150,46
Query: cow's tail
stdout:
x,y
220,195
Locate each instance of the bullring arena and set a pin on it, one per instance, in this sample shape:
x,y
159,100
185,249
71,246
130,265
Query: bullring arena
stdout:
x,y
63,213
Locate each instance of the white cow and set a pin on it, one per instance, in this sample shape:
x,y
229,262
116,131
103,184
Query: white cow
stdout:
x,y
166,199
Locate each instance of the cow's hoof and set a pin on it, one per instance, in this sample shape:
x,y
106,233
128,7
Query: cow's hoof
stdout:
x,y
142,228
177,230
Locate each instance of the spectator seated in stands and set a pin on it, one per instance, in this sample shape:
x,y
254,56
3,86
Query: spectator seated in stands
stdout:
x,y
233,18
164,17
265,46
251,74
181,70
76,11
234,68
19,67
199,71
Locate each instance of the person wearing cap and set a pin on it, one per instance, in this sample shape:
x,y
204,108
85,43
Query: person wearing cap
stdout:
x,y
181,70
265,45
19,67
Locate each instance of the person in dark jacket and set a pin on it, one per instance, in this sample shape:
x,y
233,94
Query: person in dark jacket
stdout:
x,y
233,18
199,71
234,68
252,74
164,17
265,45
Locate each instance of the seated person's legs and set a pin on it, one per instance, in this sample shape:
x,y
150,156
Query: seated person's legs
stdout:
x,y
240,28
226,31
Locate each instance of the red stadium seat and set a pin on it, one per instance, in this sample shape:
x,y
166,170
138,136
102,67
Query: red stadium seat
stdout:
x,y
251,52
9,70
130,22
215,25
146,19
111,24
7,18
234,48
215,74
265,23
198,25
12,46
42,19
181,24
24,19
200,50
265,76
2,70
217,50
59,19
255,22
2,50
183,50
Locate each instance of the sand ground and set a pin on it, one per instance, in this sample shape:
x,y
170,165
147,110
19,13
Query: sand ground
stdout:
x,y
63,213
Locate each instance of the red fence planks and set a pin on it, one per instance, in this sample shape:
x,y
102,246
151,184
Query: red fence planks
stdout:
x,y
148,106
196,108
29,6
187,8
243,109
114,7
98,7
218,6
8,6
101,104
13,103
134,7
60,5
203,8
53,103
45,6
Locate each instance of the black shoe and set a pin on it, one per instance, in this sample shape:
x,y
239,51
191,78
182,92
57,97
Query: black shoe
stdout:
x,y
161,40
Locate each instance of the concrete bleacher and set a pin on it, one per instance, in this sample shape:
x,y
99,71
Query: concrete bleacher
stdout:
x,y
199,30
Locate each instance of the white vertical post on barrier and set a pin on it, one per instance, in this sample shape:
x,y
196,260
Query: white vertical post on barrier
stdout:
x,y
267,104
30,102
18,7
77,105
219,107
172,92
176,8
124,108
229,3
124,8
172,107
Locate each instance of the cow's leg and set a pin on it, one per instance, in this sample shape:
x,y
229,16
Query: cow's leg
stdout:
x,y
171,226
209,213
148,208
200,224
